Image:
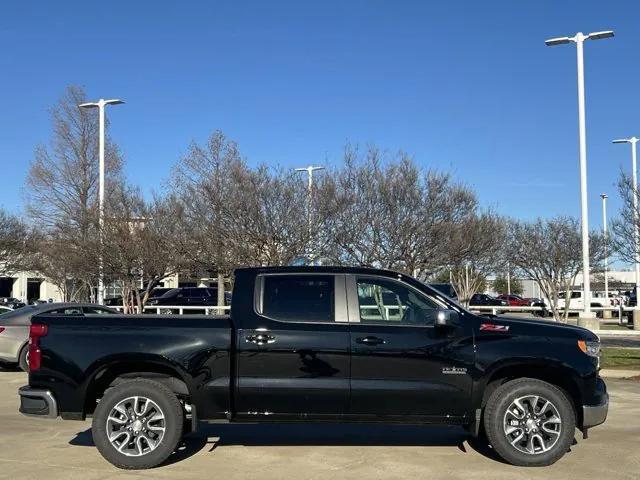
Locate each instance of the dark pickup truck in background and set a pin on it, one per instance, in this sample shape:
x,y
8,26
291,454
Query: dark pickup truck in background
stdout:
x,y
305,344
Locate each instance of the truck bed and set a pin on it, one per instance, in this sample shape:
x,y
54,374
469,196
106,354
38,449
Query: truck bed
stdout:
x,y
98,347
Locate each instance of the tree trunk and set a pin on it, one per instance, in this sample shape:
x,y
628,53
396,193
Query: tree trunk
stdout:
x,y
220,294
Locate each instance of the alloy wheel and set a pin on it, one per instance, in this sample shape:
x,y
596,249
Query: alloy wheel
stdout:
x,y
532,424
136,426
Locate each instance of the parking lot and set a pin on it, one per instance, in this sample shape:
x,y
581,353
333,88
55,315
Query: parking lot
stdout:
x,y
56,449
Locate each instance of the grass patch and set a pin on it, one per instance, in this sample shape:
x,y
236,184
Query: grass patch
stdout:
x,y
620,358
613,326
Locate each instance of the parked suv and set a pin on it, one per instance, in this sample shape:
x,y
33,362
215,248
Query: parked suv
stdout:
x,y
482,299
117,301
445,288
189,296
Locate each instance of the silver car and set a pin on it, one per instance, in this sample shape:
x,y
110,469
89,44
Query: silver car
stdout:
x,y
14,327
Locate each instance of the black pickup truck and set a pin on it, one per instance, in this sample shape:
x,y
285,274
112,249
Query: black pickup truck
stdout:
x,y
307,344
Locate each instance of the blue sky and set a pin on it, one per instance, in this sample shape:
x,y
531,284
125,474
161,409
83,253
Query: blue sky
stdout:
x,y
467,87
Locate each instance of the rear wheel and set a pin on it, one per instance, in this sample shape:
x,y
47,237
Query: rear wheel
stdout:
x,y
137,424
23,358
529,422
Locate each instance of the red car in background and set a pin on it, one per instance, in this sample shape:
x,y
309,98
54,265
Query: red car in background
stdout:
x,y
515,300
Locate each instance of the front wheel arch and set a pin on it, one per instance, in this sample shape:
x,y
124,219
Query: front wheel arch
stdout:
x,y
557,376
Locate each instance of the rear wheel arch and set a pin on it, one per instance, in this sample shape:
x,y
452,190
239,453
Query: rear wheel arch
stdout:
x,y
118,373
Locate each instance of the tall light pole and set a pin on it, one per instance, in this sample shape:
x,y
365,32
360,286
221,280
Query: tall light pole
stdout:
x,y
310,169
100,104
634,185
604,197
579,39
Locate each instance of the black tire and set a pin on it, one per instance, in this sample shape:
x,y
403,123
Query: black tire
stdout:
x,y
173,421
7,365
494,417
23,358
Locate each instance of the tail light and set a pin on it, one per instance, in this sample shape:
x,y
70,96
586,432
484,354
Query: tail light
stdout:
x,y
35,355
1,329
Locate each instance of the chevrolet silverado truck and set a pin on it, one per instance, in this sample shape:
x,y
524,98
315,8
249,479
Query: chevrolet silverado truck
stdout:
x,y
318,344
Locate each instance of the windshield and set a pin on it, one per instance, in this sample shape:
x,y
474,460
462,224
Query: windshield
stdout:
x,y
18,312
436,292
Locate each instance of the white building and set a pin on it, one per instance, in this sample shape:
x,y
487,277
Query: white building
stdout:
x,y
619,280
26,287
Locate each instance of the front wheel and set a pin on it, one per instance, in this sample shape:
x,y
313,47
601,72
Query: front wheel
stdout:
x,y
530,422
137,424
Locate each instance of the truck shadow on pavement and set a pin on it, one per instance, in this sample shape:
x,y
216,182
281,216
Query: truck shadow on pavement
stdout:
x,y
209,437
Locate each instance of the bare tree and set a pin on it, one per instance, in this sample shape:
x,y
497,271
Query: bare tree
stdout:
x,y
140,245
625,227
391,214
59,259
236,215
14,243
476,249
62,188
266,216
201,191
550,252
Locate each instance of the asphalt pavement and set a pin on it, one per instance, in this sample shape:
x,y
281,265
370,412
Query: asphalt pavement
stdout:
x,y
32,448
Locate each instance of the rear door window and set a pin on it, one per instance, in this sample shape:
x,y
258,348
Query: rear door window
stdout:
x,y
299,298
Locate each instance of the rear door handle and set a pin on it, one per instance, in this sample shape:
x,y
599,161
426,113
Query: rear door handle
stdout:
x,y
370,340
260,338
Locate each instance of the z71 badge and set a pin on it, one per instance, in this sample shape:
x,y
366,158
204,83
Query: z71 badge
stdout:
x,y
454,371
492,327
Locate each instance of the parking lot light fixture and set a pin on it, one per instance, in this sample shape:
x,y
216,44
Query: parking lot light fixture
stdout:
x,y
100,104
604,197
310,169
633,141
579,39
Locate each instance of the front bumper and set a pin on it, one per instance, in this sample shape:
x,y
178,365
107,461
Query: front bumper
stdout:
x,y
593,415
596,412
37,402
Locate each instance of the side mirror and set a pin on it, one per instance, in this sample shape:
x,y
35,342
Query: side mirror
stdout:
x,y
446,319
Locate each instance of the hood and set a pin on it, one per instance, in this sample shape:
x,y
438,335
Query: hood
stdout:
x,y
533,327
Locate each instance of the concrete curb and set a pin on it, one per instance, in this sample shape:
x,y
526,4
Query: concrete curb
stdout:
x,y
617,333
611,373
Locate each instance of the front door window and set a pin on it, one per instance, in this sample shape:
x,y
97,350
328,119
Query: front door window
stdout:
x,y
383,301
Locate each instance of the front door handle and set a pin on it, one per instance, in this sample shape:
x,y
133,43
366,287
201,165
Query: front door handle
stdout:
x,y
370,340
260,338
